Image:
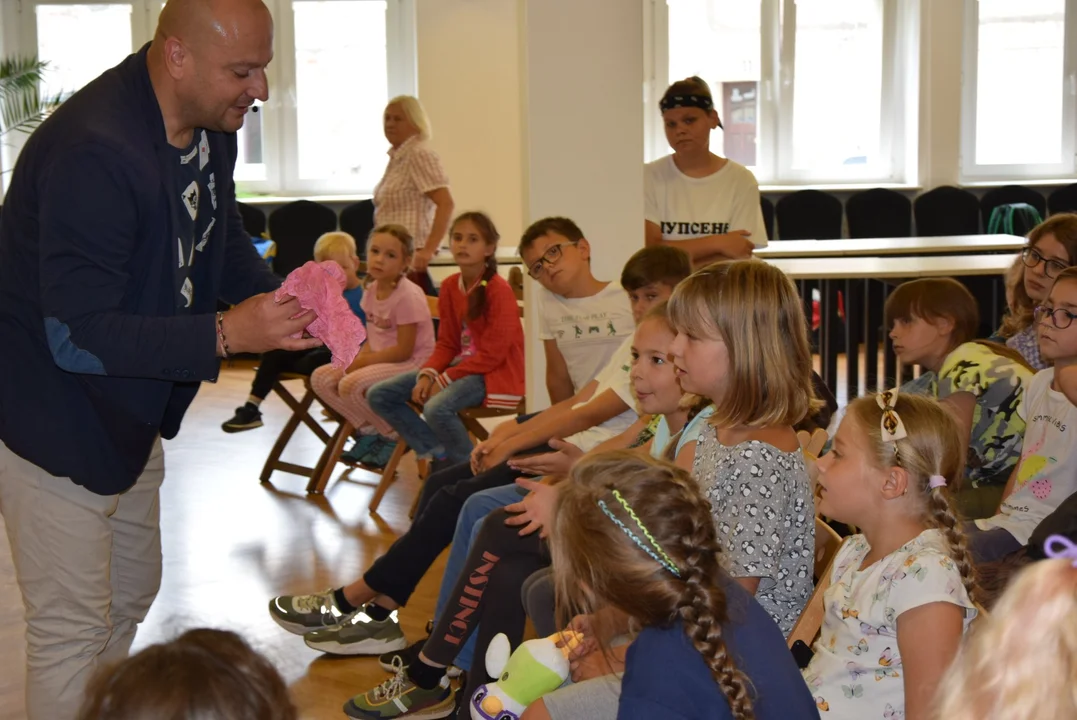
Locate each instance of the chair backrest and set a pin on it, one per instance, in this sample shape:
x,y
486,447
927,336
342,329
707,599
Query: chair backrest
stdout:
x,y
516,281
947,210
1009,195
295,228
811,618
827,542
357,220
432,303
768,216
1064,199
254,220
809,215
879,213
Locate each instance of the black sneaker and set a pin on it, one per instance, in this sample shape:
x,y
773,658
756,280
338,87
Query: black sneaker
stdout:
x,y
247,417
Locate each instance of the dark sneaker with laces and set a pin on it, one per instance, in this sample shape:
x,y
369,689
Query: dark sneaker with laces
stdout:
x,y
399,697
358,634
300,614
247,417
378,455
359,448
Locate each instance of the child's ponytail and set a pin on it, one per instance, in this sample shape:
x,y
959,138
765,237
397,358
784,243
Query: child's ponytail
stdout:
x,y
476,299
941,514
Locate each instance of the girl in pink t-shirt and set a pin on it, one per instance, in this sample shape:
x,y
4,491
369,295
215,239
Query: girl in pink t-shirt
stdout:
x,y
400,337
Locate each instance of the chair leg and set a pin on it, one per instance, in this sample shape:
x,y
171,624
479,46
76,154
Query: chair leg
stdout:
x,y
388,476
299,412
423,471
323,471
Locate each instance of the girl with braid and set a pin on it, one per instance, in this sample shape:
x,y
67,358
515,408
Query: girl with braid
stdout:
x,y
635,534
900,595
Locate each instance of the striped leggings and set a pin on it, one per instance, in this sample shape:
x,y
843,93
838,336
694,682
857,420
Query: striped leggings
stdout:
x,y
346,393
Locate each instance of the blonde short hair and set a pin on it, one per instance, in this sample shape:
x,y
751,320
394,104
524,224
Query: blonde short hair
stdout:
x,y
755,309
334,242
414,112
1019,663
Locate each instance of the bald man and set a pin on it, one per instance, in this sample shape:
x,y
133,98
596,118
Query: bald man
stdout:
x,y
120,233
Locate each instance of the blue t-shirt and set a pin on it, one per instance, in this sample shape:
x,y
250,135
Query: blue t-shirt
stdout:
x,y
665,676
354,297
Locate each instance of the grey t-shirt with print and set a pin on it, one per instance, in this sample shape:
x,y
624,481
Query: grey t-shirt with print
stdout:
x,y
765,517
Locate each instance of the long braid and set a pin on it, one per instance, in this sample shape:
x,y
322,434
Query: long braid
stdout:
x,y
702,605
941,514
476,299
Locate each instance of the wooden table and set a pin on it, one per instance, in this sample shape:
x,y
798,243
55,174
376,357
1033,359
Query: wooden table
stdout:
x,y
891,246
864,282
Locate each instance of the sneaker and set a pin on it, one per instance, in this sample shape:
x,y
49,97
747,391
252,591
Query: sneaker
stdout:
x,y
247,417
300,614
378,456
399,697
358,634
362,445
388,661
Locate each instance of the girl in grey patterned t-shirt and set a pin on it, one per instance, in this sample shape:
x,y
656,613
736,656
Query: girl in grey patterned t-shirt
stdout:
x,y
743,343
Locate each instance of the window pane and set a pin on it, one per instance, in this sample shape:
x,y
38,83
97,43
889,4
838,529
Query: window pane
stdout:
x,y
62,32
341,90
696,28
837,87
1019,64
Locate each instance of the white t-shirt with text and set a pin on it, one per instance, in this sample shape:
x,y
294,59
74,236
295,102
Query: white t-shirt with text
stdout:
x,y
588,330
685,207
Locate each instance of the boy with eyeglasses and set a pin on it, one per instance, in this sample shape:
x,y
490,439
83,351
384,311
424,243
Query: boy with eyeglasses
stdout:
x,y
1046,474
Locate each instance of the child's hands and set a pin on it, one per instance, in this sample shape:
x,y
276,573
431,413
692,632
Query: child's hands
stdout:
x,y
597,664
582,625
421,392
555,463
535,511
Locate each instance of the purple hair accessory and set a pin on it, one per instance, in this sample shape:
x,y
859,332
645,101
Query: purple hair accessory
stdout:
x,y
1067,552
936,481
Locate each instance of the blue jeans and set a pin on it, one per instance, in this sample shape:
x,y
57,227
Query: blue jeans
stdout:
x,y
438,432
475,510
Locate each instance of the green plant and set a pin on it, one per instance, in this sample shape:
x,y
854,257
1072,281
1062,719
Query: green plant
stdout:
x,y
22,107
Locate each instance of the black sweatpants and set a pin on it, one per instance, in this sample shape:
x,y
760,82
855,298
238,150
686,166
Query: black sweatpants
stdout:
x,y
488,589
398,572
275,362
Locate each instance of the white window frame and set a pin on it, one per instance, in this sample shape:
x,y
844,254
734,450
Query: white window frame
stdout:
x,y
899,128
970,171
278,115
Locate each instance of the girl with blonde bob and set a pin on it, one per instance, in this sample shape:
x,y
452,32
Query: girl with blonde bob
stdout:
x,y
742,342
1021,661
901,594
635,533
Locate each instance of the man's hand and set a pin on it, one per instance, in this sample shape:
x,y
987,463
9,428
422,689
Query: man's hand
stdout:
x,y
421,392
555,463
421,259
535,511
260,323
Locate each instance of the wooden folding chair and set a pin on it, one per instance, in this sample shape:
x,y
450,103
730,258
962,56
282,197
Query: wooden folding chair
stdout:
x,y
827,542
811,619
300,414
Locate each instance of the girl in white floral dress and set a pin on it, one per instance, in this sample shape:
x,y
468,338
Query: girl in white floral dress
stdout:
x,y
900,596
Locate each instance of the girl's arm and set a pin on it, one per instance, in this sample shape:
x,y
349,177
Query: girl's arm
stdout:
x,y
563,460
449,328
928,637
405,345
686,456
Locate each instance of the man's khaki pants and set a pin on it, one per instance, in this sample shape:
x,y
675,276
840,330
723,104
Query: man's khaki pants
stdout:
x,y
88,566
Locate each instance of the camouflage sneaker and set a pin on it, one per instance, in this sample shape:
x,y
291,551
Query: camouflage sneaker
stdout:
x,y
358,634
399,697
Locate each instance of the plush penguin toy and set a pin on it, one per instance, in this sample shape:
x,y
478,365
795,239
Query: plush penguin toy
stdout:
x,y
536,668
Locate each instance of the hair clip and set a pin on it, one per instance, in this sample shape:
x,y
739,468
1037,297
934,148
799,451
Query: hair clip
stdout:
x,y
482,284
936,481
655,550
892,427
1068,551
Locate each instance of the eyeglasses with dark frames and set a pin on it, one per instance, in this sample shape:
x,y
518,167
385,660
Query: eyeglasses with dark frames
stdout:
x,y
550,257
1060,317
1032,257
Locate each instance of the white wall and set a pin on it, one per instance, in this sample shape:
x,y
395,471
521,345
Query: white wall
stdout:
x,y
940,92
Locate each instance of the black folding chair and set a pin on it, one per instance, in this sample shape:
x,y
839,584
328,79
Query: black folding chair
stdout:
x,y
295,228
879,213
947,210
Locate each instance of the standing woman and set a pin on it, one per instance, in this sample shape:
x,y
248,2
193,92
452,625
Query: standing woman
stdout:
x,y
704,204
414,191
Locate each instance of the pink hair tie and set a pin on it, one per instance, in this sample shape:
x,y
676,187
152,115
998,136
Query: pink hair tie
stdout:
x,y
936,481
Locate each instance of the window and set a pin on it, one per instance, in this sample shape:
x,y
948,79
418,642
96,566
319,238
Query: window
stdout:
x,y
809,91
336,63
1018,93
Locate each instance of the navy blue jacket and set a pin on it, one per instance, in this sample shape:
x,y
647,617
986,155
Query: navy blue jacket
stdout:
x,y
95,358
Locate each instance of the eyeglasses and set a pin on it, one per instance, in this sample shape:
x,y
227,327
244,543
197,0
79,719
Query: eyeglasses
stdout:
x,y
550,257
1060,317
1031,257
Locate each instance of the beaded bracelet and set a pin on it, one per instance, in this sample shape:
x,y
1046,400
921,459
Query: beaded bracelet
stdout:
x,y
220,335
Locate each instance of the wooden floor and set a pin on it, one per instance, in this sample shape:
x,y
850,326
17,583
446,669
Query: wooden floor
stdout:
x,y
231,543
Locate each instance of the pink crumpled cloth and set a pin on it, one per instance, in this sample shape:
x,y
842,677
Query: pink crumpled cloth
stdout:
x,y
320,287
